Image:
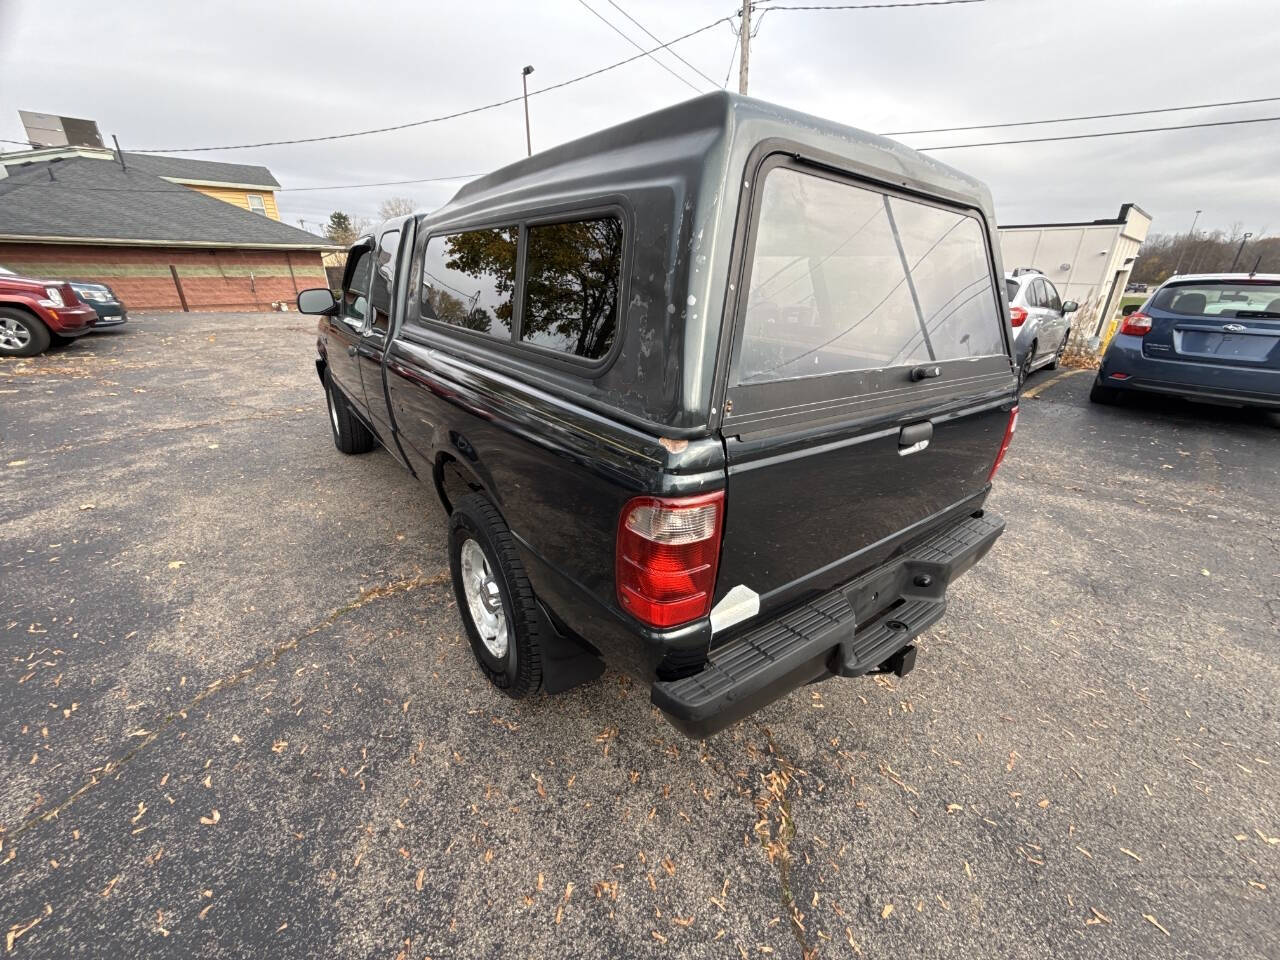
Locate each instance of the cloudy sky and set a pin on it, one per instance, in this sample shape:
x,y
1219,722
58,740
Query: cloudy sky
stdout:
x,y
160,74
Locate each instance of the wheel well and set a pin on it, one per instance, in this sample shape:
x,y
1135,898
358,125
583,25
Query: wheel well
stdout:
x,y
20,308
452,483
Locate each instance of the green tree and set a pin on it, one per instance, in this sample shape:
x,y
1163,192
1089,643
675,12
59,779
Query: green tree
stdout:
x,y
343,229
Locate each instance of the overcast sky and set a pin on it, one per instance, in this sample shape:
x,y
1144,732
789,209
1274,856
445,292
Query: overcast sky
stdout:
x,y
163,74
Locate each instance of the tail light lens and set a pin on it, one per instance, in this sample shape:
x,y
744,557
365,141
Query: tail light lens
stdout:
x,y
667,553
1004,444
1136,325
1017,316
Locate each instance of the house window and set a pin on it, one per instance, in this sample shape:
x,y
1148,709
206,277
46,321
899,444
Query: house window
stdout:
x,y
257,204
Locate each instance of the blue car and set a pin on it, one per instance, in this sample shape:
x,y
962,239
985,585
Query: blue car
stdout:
x,y
1214,338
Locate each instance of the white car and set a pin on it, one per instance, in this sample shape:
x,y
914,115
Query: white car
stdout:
x,y
1041,321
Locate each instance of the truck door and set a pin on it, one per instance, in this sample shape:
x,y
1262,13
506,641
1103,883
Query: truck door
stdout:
x,y
343,331
869,385
372,344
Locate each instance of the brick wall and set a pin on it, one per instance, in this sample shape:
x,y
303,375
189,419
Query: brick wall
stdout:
x,y
240,280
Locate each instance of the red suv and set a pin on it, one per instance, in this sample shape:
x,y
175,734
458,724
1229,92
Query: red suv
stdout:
x,y
35,313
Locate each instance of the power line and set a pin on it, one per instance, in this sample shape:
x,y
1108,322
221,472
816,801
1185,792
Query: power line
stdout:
x,y
603,19
651,36
383,183
871,6
176,187
450,116
1094,136
1094,116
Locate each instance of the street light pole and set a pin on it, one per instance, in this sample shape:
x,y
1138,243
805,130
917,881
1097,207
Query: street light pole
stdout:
x,y
524,82
1190,234
1239,250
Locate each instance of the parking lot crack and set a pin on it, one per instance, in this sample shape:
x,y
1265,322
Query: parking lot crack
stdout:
x,y
226,681
776,829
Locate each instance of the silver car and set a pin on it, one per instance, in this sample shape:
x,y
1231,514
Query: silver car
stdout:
x,y
1041,321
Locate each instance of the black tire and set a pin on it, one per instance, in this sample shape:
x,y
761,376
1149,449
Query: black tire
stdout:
x,y
517,670
349,435
1057,357
1104,395
1024,371
24,332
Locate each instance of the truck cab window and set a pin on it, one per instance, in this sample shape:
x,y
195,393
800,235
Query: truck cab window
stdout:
x,y
468,280
571,286
384,282
355,298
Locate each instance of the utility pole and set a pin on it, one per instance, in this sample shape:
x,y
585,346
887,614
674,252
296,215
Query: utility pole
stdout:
x,y
744,44
1183,250
524,82
1239,250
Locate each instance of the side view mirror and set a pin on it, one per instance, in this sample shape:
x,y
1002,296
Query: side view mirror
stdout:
x,y
1129,308
318,301
1070,306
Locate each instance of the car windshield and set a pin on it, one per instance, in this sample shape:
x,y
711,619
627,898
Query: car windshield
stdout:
x,y
1012,287
1220,298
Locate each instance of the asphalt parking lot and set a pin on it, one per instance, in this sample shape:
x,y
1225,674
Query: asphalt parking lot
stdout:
x,y
239,716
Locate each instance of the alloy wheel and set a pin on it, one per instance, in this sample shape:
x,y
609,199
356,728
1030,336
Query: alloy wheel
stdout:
x,y
484,599
14,335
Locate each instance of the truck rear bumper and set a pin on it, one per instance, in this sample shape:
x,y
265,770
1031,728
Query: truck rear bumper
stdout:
x,y
822,638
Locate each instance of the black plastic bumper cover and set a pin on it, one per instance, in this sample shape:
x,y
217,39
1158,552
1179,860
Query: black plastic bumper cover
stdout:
x,y
822,638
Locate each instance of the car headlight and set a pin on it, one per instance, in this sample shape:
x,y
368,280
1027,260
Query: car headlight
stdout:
x,y
54,294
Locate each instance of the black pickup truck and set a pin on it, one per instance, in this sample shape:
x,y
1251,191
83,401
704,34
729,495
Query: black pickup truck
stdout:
x,y
714,396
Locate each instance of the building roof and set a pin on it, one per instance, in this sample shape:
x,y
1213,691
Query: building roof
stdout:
x,y
82,200
1116,221
203,171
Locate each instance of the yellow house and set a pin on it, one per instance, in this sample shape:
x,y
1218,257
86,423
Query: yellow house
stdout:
x,y
249,187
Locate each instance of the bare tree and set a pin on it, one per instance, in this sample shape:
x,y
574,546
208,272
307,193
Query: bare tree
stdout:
x,y
395,207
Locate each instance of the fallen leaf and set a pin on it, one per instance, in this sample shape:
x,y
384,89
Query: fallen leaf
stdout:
x,y
1129,853
175,564
888,909
86,506
1156,923
211,819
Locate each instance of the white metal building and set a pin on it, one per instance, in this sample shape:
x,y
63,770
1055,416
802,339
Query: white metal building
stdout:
x,y
1088,262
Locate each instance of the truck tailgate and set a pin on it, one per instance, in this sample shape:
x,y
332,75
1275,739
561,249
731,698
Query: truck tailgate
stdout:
x,y
869,387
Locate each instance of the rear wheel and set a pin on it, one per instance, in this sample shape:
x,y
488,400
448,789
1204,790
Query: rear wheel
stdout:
x,y
21,334
1024,371
495,599
349,435
1104,395
1062,348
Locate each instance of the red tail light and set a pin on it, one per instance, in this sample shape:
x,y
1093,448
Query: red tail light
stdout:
x,y
667,554
1004,444
1017,316
1136,325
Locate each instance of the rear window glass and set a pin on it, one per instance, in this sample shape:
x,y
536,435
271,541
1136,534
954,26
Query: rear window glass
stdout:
x,y
468,279
571,286
1219,299
845,278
